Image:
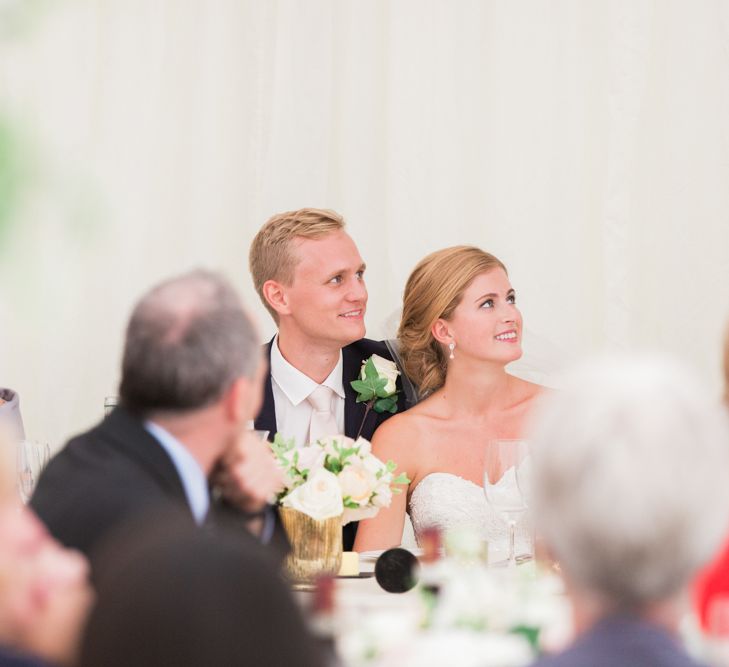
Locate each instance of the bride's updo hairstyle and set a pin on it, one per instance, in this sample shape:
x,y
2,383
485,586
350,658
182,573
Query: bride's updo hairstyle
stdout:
x,y
433,291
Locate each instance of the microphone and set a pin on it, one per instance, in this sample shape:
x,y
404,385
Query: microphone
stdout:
x,y
397,570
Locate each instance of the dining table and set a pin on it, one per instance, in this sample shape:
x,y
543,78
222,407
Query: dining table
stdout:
x,y
479,617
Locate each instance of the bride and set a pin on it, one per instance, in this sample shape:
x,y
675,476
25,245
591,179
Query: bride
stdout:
x,y
460,327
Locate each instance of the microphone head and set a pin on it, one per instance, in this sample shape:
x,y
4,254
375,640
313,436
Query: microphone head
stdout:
x,y
397,570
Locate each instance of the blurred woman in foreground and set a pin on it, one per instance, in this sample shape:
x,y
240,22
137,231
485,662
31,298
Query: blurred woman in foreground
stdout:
x,y
630,463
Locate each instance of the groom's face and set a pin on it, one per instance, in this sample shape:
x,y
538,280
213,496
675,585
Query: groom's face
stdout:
x,y
328,297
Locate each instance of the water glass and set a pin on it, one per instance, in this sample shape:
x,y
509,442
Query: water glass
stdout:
x,y
500,484
32,458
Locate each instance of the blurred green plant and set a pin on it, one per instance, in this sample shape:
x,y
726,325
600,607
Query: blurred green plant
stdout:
x,y
17,17
13,173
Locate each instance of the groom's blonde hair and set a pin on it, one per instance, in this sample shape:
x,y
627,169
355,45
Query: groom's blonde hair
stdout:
x,y
433,291
272,255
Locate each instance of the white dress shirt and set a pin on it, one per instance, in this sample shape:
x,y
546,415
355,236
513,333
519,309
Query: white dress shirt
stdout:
x,y
291,388
191,474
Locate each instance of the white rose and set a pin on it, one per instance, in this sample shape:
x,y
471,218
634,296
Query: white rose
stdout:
x,y
319,497
373,465
328,443
311,458
385,369
357,483
383,496
365,448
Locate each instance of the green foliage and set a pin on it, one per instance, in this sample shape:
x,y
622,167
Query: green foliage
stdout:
x,y
287,456
402,478
388,404
349,503
281,447
373,386
336,462
530,632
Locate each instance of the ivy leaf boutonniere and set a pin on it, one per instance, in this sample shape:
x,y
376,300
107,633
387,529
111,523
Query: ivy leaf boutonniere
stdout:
x,y
377,386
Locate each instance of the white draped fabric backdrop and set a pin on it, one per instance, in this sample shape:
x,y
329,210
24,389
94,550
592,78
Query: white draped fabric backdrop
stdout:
x,y
586,144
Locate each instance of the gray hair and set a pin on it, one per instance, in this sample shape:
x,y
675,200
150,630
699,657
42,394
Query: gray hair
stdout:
x,y
187,341
630,465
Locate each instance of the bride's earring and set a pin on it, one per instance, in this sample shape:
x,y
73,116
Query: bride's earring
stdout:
x,y
451,347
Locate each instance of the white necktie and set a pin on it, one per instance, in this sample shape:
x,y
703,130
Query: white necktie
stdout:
x,y
323,422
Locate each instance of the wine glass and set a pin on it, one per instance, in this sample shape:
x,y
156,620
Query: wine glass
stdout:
x,y
32,458
524,478
503,493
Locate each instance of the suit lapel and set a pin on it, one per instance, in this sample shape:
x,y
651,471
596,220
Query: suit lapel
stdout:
x,y
266,420
353,412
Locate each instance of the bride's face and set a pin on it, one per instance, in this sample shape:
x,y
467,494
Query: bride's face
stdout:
x,y
487,325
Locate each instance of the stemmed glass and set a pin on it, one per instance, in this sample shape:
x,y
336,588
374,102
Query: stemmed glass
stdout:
x,y
32,457
501,486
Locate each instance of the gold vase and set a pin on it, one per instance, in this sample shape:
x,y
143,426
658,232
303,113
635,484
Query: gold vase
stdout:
x,y
316,546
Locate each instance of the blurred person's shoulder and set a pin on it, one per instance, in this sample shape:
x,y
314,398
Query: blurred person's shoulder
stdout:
x,y
11,658
622,640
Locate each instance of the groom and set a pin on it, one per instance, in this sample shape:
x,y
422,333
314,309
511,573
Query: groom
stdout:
x,y
310,276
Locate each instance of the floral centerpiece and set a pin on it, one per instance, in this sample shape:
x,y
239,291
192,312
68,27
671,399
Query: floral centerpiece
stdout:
x,y
329,483
481,617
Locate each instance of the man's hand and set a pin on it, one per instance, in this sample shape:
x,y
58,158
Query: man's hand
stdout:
x,y
249,477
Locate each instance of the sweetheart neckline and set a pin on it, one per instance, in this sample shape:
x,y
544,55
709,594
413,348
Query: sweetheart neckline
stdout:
x,y
449,474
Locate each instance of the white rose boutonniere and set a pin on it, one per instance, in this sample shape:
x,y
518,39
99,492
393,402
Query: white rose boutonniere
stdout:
x,y
377,386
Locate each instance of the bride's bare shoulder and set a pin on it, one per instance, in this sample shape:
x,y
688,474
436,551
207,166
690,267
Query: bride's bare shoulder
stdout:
x,y
400,430
524,395
398,425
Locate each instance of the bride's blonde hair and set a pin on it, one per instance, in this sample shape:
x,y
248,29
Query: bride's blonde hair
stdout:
x,y
433,291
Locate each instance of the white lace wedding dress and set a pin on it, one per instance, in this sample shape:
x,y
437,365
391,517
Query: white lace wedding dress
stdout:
x,y
445,501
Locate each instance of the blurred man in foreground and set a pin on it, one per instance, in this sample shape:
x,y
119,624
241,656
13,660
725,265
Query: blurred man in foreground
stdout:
x,y
630,495
191,380
44,590
233,609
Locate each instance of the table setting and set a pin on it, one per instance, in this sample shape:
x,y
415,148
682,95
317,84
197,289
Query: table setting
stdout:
x,y
453,595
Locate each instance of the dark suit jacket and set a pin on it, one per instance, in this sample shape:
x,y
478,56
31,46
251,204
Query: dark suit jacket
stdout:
x,y
352,357
113,474
626,641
